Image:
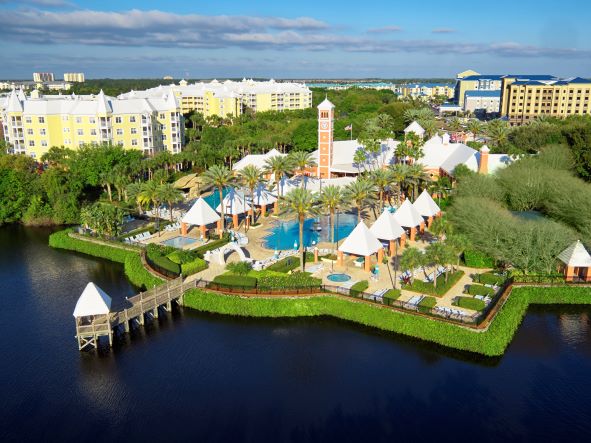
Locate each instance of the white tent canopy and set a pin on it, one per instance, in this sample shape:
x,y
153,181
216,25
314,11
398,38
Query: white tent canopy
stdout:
x,y
575,255
407,216
93,301
415,128
386,227
200,214
361,242
262,196
425,205
234,203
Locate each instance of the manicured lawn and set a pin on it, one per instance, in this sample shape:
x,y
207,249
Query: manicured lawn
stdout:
x,y
442,285
470,303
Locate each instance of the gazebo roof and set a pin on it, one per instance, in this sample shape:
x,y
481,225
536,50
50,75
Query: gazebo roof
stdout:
x,y
575,255
93,301
425,205
407,216
234,203
361,242
200,214
386,227
262,196
414,127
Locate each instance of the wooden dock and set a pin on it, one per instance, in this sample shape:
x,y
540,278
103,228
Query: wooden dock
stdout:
x,y
132,310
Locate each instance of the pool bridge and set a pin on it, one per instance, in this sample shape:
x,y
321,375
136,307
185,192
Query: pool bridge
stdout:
x,y
131,311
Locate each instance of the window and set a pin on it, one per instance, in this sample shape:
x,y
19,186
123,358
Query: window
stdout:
x,y
28,120
120,143
132,118
42,131
80,143
44,143
163,137
163,127
65,118
91,120
66,129
80,132
134,142
119,131
324,114
78,119
118,120
134,130
161,116
31,143
29,131
41,119
93,132
67,141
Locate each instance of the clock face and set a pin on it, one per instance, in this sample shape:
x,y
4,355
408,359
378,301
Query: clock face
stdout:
x,y
324,125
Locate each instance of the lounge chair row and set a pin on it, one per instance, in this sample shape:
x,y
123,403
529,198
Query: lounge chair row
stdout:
x,y
448,312
173,227
138,238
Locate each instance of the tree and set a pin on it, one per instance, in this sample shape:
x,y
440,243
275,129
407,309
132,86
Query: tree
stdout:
x,y
169,194
458,244
133,191
400,176
360,192
278,166
439,254
441,227
331,199
498,133
410,260
250,176
219,177
416,176
301,161
474,127
382,179
239,268
149,194
104,219
301,203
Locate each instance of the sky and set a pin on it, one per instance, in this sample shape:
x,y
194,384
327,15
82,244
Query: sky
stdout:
x,y
293,39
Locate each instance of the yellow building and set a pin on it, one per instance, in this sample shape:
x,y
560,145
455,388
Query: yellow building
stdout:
x,y
231,99
473,81
33,125
525,99
427,90
74,77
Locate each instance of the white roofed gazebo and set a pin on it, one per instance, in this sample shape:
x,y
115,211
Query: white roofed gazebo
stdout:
x,y
235,204
426,207
92,303
387,228
200,214
408,217
262,198
576,262
363,243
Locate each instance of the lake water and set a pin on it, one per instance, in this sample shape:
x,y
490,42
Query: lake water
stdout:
x,y
201,377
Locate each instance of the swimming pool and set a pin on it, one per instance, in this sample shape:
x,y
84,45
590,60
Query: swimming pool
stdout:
x,y
284,234
178,242
213,199
340,278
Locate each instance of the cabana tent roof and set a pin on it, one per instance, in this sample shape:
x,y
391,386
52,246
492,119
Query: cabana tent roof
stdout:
x,y
386,227
407,216
262,196
234,203
93,301
575,255
200,214
425,205
361,242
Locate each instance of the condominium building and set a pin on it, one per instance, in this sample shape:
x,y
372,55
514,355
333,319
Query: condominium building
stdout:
x,y
524,99
33,125
427,90
41,77
74,77
482,101
231,98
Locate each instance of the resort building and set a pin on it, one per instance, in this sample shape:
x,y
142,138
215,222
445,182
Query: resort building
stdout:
x,y
258,160
526,98
427,90
482,101
74,77
231,98
33,125
41,77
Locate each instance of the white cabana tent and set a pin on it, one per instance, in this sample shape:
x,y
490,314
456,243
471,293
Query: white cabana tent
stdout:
x,y
426,207
577,262
93,301
200,214
263,197
408,217
235,204
415,128
387,228
363,243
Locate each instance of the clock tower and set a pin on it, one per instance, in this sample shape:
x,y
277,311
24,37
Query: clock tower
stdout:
x,y
325,138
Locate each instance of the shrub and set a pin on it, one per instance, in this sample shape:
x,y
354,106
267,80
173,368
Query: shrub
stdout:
x,y
391,295
213,244
330,257
488,278
297,280
535,278
290,263
181,256
358,288
476,259
137,274
155,257
480,290
469,303
239,268
442,287
427,303
235,281
193,267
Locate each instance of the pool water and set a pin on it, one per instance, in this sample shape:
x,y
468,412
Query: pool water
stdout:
x,y
284,234
178,242
213,199
339,277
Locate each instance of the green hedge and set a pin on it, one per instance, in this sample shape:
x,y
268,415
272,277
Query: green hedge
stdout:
x,y
491,342
480,290
358,288
130,257
235,281
528,278
293,281
442,287
469,303
488,278
193,267
427,303
211,245
156,257
290,263
391,295
476,259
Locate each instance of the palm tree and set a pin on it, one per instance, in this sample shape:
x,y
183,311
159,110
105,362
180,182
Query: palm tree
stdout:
x,y
331,199
149,194
440,227
455,125
411,259
458,244
382,179
498,132
107,178
474,127
440,187
429,126
250,176
400,174
415,176
301,203
219,177
301,160
438,254
278,165
133,191
169,194
360,192
359,159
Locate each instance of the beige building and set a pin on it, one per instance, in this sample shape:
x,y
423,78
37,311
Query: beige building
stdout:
x,y
74,77
41,77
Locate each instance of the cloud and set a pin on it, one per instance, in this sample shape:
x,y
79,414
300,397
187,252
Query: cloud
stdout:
x,y
42,3
443,31
384,30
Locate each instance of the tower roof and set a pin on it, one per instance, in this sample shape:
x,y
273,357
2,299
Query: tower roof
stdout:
x,y
425,205
386,227
407,216
103,104
326,105
14,104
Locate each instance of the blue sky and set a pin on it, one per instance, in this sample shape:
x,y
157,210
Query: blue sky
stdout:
x,y
288,39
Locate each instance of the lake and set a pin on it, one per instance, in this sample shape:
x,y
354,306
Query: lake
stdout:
x,y
198,377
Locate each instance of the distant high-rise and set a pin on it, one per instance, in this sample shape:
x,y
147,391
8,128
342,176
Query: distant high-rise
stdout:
x,y
74,77
41,77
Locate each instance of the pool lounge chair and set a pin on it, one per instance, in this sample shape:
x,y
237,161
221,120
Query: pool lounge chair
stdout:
x,y
359,262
